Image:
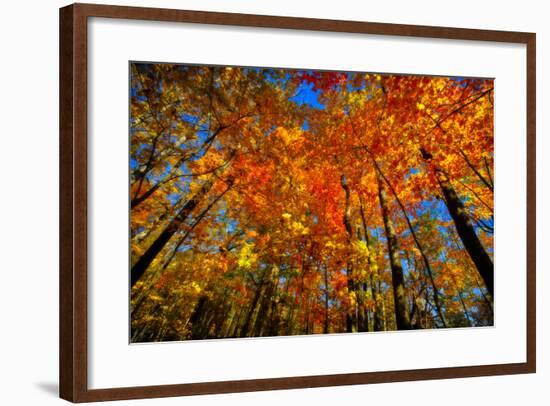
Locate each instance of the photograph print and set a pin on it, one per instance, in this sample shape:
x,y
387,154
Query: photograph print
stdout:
x,y
277,202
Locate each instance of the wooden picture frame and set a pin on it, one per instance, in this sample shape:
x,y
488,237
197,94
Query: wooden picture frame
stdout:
x,y
74,201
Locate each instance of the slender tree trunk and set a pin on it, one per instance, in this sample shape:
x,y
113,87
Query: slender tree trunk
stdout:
x,y
428,267
197,318
362,313
222,313
377,323
367,325
486,182
383,309
464,228
198,219
228,322
261,318
417,243
476,278
143,263
327,320
275,318
361,288
466,314
248,323
402,319
487,301
233,330
305,326
351,317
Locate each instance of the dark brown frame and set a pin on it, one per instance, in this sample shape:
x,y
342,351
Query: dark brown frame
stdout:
x,y
73,202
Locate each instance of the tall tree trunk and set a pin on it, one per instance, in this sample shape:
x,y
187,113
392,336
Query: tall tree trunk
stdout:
x,y
228,322
486,182
466,314
275,317
362,312
377,323
464,227
351,316
261,318
402,319
327,320
418,245
221,314
197,318
233,330
248,323
143,263
190,229
427,265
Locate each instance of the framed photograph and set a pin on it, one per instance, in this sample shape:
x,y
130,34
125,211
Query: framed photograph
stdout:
x,y
255,202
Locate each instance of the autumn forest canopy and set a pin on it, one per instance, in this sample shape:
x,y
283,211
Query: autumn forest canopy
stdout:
x,y
271,202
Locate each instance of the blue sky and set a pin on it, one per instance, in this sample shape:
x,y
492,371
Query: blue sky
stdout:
x,y
306,95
